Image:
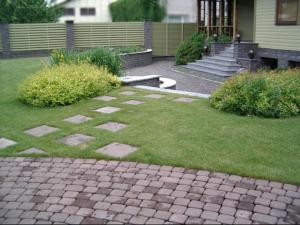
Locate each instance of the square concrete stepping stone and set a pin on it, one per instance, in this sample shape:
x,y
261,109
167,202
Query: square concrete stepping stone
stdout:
x,y
4,143
185,100
105,98
78,119
128,93
107,110
33,151
117,150
112,126
75,139
154,96
133,102
41,131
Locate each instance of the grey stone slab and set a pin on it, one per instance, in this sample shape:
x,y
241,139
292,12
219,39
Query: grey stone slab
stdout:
x,y
4,143
33,151
154,96
107,110
78,119
105,98
41,131
112,126
133,102
75,139
185,100
127,93
117,150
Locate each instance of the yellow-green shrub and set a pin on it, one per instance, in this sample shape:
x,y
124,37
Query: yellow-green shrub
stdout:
x,y
270,94
65,84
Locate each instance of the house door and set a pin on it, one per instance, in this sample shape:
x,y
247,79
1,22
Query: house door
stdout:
x,y
245,19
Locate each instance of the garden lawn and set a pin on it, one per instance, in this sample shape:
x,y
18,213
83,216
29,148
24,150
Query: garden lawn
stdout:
x,y
191,135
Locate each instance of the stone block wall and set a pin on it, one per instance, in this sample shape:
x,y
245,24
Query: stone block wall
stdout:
x,y
137,59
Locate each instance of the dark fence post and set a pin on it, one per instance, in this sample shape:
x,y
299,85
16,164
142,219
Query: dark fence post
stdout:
x,y
147,34
70,35
4,32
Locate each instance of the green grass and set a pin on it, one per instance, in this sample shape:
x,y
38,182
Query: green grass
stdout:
x,y
189,135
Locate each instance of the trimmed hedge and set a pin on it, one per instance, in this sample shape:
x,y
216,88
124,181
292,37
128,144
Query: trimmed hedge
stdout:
x,y
66,84
274,94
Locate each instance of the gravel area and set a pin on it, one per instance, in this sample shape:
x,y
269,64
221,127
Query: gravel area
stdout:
x,y
185,82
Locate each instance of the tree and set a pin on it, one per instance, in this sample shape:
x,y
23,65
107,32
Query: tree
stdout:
x,y
136,10
28,11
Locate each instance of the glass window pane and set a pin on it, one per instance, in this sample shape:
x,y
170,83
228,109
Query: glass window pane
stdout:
x,y
287,11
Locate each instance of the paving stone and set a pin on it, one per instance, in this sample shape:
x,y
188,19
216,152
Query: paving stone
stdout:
x,y
32,151
147,212
84,203
107,110
11,221
29,214
117,150
212,207
59,217
154,221
105,98
185,100
41,131
278,213
127,93
193,212
27,221
164,215
154,96
262,209
133,102
70,209
132,210
112,126
4,143
75,139
262,218
225,219
78,119
243,214
228,210
55,208
73,219
209,215
242,221
13,213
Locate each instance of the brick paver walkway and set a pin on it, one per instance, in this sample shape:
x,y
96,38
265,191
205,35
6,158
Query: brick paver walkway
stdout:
x,y
56,190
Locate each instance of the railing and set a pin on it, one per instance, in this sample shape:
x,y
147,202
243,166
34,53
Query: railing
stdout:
x,y
228,30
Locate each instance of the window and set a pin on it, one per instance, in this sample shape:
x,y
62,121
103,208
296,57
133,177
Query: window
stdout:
x,y
88,11
287,12
69,12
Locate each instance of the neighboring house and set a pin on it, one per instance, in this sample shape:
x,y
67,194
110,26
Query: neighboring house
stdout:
x,y
269,27
180,11
84,11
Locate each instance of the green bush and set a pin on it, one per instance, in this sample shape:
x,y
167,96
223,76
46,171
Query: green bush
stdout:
x,y
128,49
66,84
99,57
223,38
191,49
274,94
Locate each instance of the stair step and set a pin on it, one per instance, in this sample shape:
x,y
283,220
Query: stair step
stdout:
x,y
226,54
222,66
209,70
219,62
221,59
214,67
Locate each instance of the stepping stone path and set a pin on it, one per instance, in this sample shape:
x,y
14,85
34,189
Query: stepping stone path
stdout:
x,y
41,131
117,150
33,151
185,100
75,139
128,93
112,126
133,102
154,96
78,119
108,110
4,143
87,191
105,98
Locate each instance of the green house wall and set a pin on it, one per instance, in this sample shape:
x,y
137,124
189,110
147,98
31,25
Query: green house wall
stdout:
x,y
267,34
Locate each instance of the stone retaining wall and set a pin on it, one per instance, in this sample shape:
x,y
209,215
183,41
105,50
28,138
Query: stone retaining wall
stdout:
x,y
137,59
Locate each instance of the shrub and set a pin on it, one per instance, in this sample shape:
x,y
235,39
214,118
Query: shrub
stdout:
x,y
128,49
269,94
191,49
223,38
99,57
65,84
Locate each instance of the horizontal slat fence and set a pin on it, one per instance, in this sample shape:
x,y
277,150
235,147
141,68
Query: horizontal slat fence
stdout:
x,y
167,36
89,35
1,49
37,36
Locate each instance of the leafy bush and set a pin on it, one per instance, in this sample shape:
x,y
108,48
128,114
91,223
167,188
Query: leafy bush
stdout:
x,y
128,49
269,94
223,38
99,57
65,84
191,49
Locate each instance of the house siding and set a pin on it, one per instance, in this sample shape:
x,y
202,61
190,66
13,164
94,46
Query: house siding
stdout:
x,y
268,34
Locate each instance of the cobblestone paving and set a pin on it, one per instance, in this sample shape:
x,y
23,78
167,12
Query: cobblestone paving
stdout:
x,y
185,82
57,190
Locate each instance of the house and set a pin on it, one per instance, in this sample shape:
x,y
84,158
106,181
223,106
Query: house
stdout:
x,y
269,32
84,11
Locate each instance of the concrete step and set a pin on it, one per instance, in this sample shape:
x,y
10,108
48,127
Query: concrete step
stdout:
x,y
220,59
223,66
214,68
226,54
204,75
209,70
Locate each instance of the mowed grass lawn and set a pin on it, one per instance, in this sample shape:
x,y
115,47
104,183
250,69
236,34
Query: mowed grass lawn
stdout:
x,y
166,132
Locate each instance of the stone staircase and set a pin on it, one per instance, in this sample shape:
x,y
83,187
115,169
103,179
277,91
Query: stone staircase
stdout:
x,y
221,66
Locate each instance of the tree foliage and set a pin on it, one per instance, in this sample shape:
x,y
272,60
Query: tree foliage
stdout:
x,y
137,10
28,11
